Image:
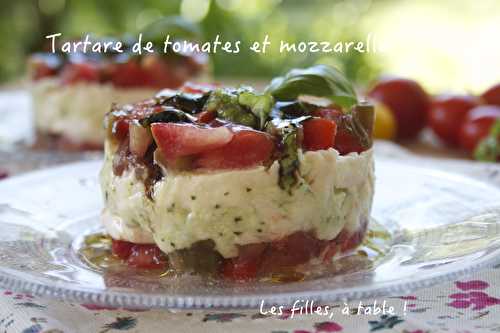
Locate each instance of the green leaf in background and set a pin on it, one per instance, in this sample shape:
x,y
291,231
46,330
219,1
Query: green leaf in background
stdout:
x,y
320,80
488,149
175,26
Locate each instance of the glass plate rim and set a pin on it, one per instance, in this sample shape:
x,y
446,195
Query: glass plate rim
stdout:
x,y
112,298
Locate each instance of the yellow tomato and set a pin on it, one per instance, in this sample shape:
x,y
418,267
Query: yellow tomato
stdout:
x,y
385,123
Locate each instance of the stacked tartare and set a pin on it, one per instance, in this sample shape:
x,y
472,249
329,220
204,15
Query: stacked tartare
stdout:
x,y
239,183
72,92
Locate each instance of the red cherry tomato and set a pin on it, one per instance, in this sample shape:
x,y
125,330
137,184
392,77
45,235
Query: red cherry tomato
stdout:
x,y
477,125
492,95
80,72
447,115
147,256
247,148
176,140
319,134
121,249
408,101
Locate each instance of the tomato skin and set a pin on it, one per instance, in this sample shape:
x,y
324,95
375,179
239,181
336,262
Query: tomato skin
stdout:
x,y
447,115
408,101
120,129
206,116
477,125
121,249
345,141
147,256
246,149
80,72
182,139
319,134
492,95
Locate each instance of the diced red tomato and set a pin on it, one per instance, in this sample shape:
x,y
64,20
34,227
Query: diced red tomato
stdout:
x,y
319,134
130,74
176,140
345,140
246,265
247,148
78,72
121,249
147,256
120,129
295,249
330,113
206,116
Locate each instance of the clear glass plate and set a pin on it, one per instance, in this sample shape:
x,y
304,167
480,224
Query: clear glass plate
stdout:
x,y
443,226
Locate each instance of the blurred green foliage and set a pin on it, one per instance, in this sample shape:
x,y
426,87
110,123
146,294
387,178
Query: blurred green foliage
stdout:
x,y
24,23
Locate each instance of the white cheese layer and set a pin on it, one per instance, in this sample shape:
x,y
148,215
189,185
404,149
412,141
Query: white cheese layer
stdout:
x,y
242,206
76,111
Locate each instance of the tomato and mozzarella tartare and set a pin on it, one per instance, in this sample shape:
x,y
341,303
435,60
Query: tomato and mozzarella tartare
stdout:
x,y
239,183
72,92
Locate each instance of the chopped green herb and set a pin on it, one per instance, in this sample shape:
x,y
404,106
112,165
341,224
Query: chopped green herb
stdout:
x,y
289,159
260,105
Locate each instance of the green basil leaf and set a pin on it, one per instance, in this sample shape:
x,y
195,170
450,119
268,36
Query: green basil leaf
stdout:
x,y
321,81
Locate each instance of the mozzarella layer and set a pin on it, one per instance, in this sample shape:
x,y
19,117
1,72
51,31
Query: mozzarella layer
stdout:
x,y
77,111
242,206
